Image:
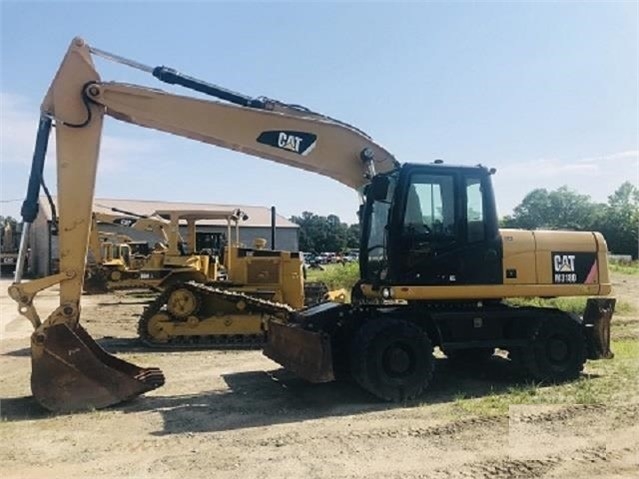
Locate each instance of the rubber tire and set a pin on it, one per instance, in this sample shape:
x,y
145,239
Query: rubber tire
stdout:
x,y
470,356
535,356
370,343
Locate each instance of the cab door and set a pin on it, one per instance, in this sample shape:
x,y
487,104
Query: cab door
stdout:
x,y
440,228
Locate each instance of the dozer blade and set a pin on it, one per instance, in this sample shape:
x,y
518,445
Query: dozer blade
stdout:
x,y
597,318
71,372
305,353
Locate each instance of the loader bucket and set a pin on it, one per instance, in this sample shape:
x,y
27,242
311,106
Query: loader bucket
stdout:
x,y
71,372
305,353
597,318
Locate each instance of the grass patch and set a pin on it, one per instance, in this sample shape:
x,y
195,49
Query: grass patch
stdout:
x,y
335,275
575,305
604,382
624,267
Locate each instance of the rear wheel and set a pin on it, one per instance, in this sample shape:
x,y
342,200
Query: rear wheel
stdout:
x,y
557,350
392,359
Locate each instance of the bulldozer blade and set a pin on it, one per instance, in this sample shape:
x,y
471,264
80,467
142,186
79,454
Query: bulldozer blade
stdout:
x,y
305,353
597,318
71,372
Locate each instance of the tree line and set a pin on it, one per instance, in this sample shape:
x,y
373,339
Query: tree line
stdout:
x,y
563,208
325,233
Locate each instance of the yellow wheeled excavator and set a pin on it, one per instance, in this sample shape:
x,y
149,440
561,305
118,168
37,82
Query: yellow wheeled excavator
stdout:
x,y
434,265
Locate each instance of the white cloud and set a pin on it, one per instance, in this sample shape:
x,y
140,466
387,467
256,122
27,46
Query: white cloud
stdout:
x,y
18,126
556,168
17,129
595,176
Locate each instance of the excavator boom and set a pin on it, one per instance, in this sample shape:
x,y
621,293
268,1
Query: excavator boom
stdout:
x,y
70,370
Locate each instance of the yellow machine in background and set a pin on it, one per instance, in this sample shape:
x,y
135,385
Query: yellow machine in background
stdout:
x,y
197,305
228,311
434,265
8,246
113,259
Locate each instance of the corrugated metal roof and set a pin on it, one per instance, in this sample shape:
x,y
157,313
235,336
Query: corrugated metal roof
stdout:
x,y
258,216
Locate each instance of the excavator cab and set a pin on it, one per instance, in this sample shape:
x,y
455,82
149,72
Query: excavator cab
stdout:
x,y
432,224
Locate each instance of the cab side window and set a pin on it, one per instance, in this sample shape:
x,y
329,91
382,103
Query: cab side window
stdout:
x,y
430,207
474,210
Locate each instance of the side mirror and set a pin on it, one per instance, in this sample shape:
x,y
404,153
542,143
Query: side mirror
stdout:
x,y
379,188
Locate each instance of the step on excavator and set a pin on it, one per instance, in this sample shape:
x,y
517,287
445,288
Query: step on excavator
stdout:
x,y
435,267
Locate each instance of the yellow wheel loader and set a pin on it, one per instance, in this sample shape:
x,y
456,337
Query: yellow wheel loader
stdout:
x,y
435,267
112,256
170,261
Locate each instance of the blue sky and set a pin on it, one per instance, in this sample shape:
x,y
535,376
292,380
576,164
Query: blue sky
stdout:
x,y
547,93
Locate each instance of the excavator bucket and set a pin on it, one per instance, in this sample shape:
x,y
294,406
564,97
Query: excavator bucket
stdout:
x,y
305,353
596,320
71,372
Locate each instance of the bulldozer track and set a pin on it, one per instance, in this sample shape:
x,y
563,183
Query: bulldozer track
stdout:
x,y
235,341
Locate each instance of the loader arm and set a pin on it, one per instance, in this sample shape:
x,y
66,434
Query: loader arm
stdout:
x,y
155,225
69,370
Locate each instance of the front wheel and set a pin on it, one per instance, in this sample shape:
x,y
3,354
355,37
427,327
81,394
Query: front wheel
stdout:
x,y
392,359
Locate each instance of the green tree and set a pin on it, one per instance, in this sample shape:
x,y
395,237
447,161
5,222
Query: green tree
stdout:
x,y
321,233
352,236
619,220
558,209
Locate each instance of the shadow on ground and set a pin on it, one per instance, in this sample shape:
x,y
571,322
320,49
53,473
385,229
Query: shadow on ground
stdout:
x,y
263,398
112,345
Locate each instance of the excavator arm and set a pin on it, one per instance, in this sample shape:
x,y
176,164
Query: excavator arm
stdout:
x,y
69,370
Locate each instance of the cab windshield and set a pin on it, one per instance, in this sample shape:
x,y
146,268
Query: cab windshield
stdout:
x,y
373,250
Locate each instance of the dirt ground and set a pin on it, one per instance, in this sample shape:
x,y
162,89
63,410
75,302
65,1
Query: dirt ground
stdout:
x,y
236,414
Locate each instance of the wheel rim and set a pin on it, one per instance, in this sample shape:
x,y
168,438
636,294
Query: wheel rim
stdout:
x,y
398,360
